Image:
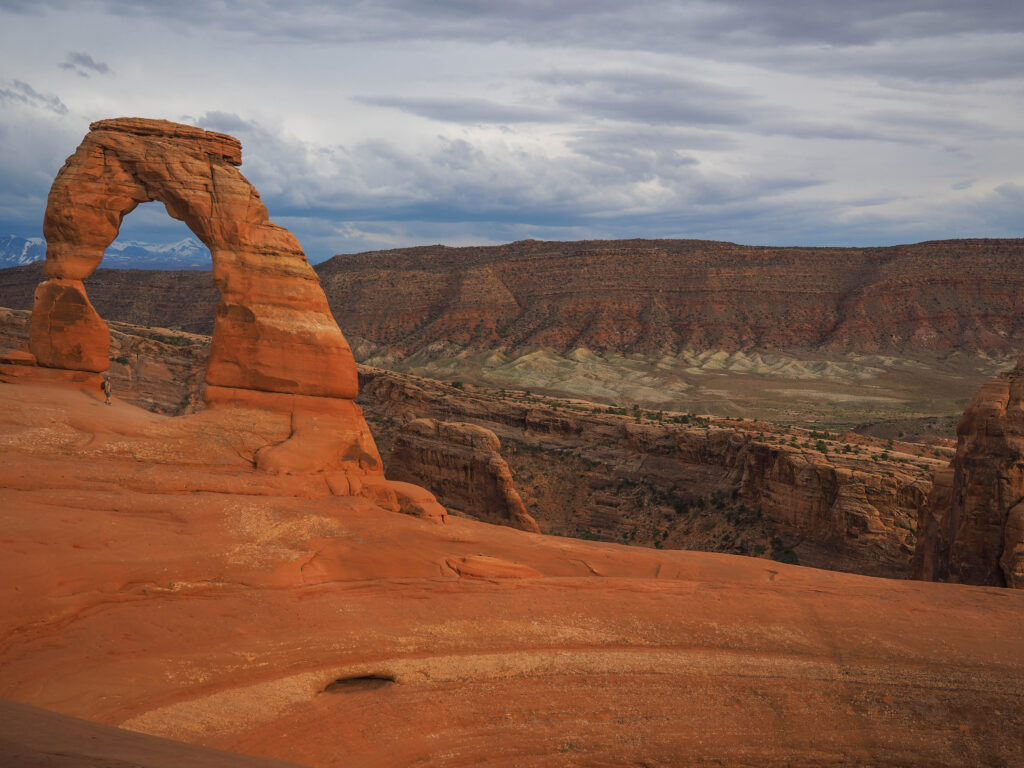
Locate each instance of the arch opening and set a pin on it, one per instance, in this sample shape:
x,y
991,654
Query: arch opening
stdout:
x,y
150,238
160,365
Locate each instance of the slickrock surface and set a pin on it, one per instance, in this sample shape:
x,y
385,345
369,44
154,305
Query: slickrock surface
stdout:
x,y
153,579
462,465
972,531
30,736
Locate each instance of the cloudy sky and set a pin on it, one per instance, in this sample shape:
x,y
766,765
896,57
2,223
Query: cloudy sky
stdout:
x,y
382,123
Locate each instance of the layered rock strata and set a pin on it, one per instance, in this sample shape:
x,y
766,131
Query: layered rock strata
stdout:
x,y
694,486
655,297
972,530
462,464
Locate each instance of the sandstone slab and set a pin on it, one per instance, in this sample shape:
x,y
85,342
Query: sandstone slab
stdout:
x,y
153,579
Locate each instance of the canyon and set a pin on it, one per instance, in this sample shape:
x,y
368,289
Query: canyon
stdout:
x,y
845,501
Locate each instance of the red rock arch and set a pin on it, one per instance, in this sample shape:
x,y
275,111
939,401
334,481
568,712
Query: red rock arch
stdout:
x,y
273,331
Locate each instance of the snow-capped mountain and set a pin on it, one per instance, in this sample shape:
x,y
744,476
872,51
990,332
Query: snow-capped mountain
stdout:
x,y
127,254
16,251
132,254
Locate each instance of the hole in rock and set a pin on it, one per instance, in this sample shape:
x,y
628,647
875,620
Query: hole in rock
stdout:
x,y
166,287
359,683
150,239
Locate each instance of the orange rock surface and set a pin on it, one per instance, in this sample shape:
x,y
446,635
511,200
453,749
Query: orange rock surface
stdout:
x,y
154,579
65,331
30,736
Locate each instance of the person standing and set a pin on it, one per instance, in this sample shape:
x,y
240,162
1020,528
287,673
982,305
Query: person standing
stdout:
x,y
106,389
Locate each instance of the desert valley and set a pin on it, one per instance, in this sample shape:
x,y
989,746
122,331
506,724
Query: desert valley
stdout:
x,y
644,502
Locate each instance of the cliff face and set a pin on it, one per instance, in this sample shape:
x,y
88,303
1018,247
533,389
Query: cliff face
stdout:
x,y
972,530
629,296
461,464
658,296
720,486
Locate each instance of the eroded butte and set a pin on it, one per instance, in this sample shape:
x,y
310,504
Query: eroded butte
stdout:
x,y
156,580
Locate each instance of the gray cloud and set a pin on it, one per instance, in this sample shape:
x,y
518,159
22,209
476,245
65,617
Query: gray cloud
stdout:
x,y
458,181
857,24
22,6
18,92
82,64
660,24
650,97
796,122
463,110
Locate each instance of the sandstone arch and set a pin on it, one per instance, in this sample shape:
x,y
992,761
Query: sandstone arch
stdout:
x,y
273,331
276,346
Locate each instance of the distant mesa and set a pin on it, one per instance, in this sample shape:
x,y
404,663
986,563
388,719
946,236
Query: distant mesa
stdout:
x,y
275,343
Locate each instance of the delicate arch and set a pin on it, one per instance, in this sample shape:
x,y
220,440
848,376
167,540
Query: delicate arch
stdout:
x,y
273,331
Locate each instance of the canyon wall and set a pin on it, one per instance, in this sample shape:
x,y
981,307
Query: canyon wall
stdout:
x,y
716,485
462,465
662,296
630,296
972,530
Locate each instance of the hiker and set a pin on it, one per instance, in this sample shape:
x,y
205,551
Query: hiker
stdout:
x,y
106,389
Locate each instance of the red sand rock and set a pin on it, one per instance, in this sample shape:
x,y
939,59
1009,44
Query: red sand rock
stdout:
x,y
972,531
30,736
16,357
65,331
154,579
461,463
